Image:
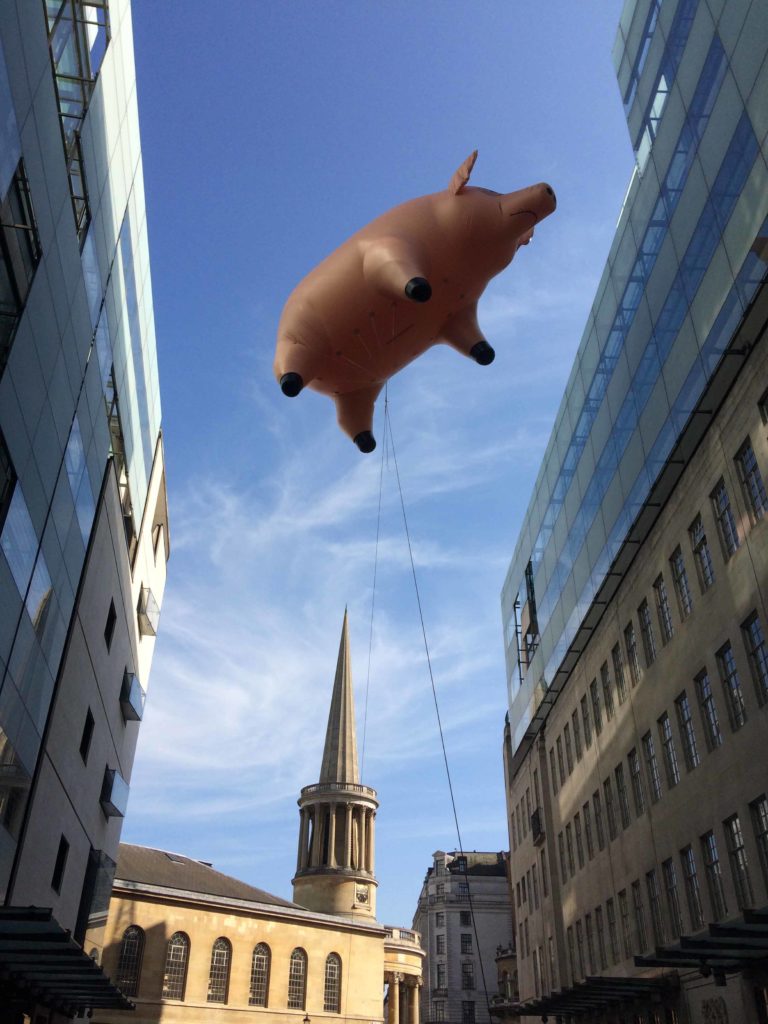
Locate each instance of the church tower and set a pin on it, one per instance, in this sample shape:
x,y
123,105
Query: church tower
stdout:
x,y
334,870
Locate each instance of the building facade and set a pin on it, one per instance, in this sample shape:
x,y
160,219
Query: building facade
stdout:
x,y
83,514
634,607
464,916
189,944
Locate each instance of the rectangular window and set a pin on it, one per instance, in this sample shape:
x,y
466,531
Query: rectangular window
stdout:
x,y
571,954
523,817
600,929
663,611
636,780
610,813
713,875
579,840
759,811
626,937
60,865
597,808
85,739
702,556
438,1010
621,790
440,944
568,747
465,918
597,716
751,481
754,642
467,1012
646,631
641,939
580,948
440,975
673,898
737,856
535,884
561,848
726,524
513,829
668,751
553,770
440,919
588,830
687,735
613,934
19,256
560,759
466,943
708,710
618,672
680,583
605,680
109,628
467,976
729,676
588,934
544,883
652,768
576,728
654,902
587,723
630,644
569,848
692,891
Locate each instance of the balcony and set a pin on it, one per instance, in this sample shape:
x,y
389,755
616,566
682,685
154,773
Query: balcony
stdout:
x,y
148,612
114,794
132,697
537,827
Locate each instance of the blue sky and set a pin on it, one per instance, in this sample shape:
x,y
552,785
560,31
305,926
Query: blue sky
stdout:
x,y
271,131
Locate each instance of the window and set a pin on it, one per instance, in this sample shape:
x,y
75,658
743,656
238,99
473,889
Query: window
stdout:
x,y
759,810
692,891
561,849
129,960
585,812
440,918
713,875
440,889
59,865
440,974
618,671
535,885
440,942
652,767
109,629
438,1009
654,902
702,556
708,710
560,759
641,939
590,943
596,712
19,256
579,841
626,938
680,583
630,643
646,631
576,728
688,736
466,943
587,723
605,681
571,953
553,770
568,747
751,481
734,698
544,885
467,1012
737,856
85,739
637,781
580,948
218,976
596,807
754,641
297,980
513,828
672,897
726,524
569,848
600,929
332,990
465,918
668,749
613,934
175,971
468,975
621,789
663,610
610,813
7,481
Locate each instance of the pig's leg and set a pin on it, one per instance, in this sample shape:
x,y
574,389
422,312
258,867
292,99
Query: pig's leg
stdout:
x,y
354,411
462,332
396,268
294,367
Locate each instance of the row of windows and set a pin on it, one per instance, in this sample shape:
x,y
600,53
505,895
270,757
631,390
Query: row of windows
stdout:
x,y
465,918
177,960
465,940
467,975
467,1012
650,912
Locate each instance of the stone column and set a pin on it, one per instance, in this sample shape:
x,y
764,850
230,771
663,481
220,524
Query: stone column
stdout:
x,y
372,844
332,837
317,836
348,837
394,998
301,859
361,859
416,1000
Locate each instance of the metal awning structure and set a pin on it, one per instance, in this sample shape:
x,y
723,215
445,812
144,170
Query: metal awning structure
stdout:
x,y
41,963
727,948
601,994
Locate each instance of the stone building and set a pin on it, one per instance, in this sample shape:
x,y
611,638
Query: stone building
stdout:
x,y
188,944
464,916
635,605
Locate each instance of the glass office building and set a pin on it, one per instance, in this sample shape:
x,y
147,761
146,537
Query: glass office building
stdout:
x,y
83,523
687,261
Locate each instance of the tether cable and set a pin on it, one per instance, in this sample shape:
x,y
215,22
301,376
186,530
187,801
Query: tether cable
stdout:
x,y
388,426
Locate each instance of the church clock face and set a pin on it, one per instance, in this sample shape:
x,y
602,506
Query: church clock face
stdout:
x,y
361,894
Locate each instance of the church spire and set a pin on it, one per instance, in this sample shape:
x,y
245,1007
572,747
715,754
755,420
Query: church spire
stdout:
x,y
340,752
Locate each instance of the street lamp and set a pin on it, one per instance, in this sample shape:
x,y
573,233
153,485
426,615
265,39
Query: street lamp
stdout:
x,y
306,1019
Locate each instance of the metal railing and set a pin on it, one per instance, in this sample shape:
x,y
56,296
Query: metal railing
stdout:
x,y
339,787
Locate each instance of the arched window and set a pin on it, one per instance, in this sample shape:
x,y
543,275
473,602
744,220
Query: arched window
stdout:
x,y
129,961
332,994
297,980
218,979
176,960
260,975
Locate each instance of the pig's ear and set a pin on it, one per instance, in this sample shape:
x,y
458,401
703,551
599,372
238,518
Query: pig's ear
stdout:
x,y
461,177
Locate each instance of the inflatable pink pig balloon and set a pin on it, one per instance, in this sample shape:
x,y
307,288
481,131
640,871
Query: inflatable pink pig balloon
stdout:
x,y
408,280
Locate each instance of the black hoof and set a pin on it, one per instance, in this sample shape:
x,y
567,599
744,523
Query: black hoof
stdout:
x,y
419,289
291,384
365,441
482,353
